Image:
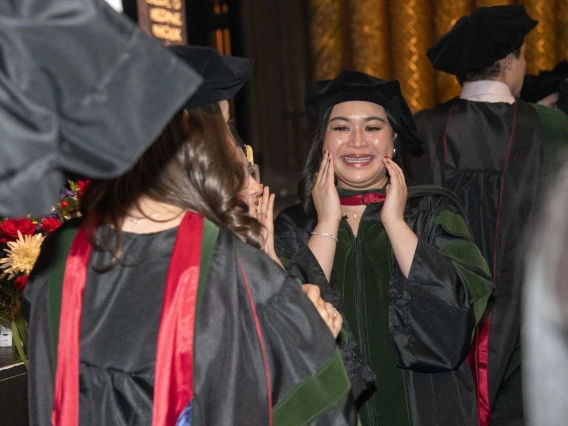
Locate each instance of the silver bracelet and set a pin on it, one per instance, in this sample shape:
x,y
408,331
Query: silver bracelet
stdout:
x,y
325,234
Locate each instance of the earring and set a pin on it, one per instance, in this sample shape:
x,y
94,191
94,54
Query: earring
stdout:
x,y
393,152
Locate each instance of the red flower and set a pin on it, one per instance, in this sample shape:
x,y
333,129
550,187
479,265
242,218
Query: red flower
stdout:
x,y
50,224
82,185
9,229
21,282
64,204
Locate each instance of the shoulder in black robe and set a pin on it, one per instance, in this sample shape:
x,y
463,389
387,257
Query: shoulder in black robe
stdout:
x,y
308,381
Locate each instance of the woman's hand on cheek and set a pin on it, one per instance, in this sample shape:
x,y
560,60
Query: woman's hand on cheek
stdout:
x,y
397,194
324,194
264,213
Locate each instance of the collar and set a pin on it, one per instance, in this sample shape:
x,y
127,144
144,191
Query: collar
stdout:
x,y
487,91
349,197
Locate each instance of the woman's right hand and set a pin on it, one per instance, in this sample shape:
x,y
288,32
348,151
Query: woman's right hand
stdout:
x,y
324,193
328,313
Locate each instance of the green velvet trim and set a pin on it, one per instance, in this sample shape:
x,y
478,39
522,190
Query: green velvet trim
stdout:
x,y
473,271
55,284
515,362
208,244
314,395
284,260
555,133
453,223
362,267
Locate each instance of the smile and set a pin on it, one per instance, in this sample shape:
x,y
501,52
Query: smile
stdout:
x,y
357,160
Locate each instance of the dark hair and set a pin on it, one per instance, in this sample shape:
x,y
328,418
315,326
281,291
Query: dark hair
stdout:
x,y
312,164
191,165
488,72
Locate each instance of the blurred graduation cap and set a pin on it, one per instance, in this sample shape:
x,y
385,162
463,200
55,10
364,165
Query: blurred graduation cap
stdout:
x,y
82,90
223,76
480,39
357,86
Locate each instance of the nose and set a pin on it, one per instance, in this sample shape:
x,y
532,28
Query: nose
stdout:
x,y
357,139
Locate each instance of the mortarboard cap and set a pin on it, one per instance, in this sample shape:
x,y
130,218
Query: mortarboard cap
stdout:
x,y
357,86
223,76
487,35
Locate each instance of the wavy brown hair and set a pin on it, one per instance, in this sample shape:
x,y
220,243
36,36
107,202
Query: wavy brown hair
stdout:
x,y
192,165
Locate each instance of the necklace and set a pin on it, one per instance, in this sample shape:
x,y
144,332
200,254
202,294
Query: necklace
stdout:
x,y
354,216
136,220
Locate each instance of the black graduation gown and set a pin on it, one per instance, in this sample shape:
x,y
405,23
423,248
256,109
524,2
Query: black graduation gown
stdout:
x,y
120,326
495,157
431,315
82,90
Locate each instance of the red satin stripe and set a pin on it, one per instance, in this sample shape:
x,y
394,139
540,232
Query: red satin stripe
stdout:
x,y
362,199
66,398
482,359
173,385
479,353
446,142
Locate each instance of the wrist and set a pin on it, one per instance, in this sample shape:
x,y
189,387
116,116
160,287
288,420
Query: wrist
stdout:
x,y
393,224
328,225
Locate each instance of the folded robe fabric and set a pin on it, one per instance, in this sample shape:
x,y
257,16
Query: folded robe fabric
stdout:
x,y
82,90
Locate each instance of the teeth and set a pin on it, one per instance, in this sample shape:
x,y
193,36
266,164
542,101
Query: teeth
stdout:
x,y
357,160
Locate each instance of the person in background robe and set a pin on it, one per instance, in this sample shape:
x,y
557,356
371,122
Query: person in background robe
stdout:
x,y
398,261
495,152
158,308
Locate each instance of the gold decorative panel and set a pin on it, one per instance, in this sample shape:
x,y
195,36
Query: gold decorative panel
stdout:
x,y
541,41
446,14
561,30
489,3
369,37
325,38
411,36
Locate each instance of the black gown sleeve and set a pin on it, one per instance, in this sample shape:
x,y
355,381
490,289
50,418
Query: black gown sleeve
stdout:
x,y
433,313
257,330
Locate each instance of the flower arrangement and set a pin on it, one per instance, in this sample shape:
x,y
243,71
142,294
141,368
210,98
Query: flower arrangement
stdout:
x,y
20,245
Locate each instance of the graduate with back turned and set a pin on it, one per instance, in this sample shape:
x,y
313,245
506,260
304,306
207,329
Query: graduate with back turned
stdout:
x,y
495,152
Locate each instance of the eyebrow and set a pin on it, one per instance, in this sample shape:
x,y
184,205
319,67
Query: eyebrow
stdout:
x,y
366,119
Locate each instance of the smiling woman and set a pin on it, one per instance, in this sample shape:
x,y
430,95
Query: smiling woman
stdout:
x,y
358,136
399,262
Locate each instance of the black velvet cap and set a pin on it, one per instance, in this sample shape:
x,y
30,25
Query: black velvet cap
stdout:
x,y
537,87
358,86
223,76
487,35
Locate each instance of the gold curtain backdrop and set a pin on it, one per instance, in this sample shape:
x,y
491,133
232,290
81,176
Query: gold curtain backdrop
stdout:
x,y
389,39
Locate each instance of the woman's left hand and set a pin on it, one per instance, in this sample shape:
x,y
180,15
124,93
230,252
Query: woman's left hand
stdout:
x,y
397,194
262,210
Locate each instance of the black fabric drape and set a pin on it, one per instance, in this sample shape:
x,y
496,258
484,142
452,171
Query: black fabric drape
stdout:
x,y
83,90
